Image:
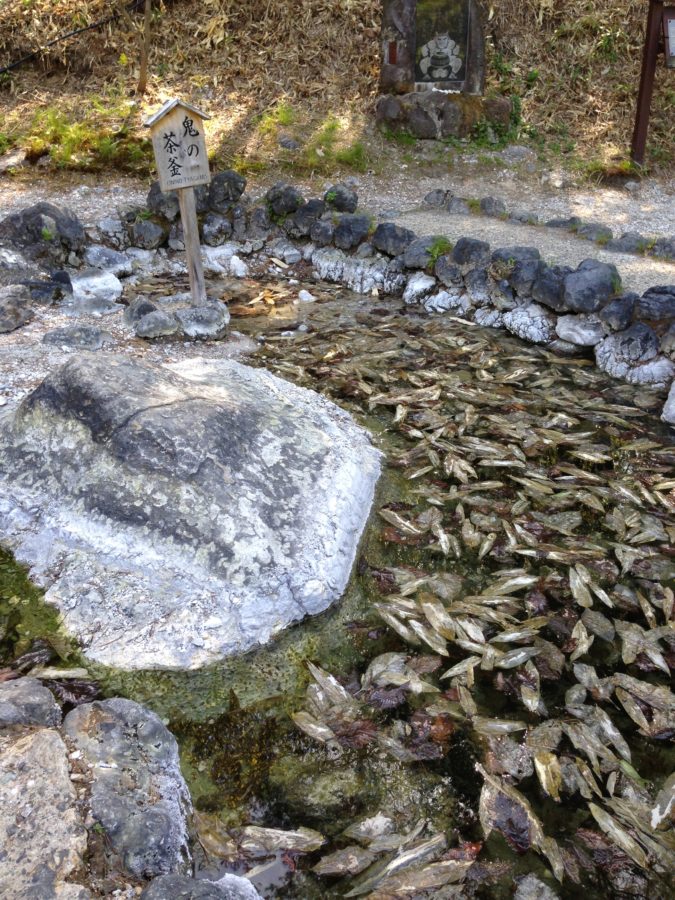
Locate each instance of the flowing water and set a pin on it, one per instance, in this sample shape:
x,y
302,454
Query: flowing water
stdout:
x,y
491,696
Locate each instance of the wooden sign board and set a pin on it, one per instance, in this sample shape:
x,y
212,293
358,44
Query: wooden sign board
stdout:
x,y
180,146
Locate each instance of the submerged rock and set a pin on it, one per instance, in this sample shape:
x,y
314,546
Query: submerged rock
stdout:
x,y
180,887
179,515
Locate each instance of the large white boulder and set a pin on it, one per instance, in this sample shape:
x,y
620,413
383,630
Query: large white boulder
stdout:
x,y
179,515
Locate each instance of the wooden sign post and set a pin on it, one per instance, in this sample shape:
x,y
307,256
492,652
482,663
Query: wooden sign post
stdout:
x,y
182,163
660,21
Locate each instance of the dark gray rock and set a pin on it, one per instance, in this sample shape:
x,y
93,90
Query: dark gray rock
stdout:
x,y
423,123
26,702
591,286
156,324
571,224
299,225
44,232
470,252
436,199
629,242
46,293
15,307
418,254
491,206
341,198
457,206
205,322
176,240
478,284
259,224
664,248
392,239
283,199
548,285
395,277
595,231
147,234
322,233
15,268
161,204
668,342
657,304
447,272
216,229
225,190
523,275
200,480
285,251
637,344
512,255
239,222
139,307
79,337
137,793
364,251
180,887
618,314
351,230
288,143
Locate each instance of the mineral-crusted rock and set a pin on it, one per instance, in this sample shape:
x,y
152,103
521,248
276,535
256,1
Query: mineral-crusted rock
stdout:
x,y
489,318
42,838
180,887
532,323
582,330
137,793
95,291
418,287
359,275
15,307
208,321
181,514
668,414
97,256
446,301
26,702
631,356
79,337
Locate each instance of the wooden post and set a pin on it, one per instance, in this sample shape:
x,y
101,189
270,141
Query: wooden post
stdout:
x,y
183,163
649,57
188,214
145,49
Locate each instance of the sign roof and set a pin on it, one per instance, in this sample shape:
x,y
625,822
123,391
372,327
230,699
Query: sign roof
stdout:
x,y
168,106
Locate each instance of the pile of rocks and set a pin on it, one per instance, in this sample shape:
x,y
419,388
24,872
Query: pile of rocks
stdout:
x,y
108,768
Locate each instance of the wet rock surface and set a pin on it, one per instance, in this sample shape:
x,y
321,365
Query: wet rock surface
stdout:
x,y
177,887
239,458
137,793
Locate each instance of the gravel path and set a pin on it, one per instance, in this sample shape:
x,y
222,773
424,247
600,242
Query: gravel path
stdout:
x,y
556,246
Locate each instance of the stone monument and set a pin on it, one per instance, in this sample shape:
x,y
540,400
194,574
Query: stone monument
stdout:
x,y
433,68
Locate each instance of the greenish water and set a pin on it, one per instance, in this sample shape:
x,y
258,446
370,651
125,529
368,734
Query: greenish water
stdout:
x,y
243,757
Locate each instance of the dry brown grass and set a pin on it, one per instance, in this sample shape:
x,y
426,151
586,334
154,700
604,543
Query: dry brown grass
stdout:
x,y
574,63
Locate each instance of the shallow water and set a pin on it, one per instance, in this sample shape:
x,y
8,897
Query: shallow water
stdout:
x,y
435,392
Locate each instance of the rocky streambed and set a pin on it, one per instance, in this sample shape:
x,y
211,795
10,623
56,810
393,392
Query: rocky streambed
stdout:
x,y
486,711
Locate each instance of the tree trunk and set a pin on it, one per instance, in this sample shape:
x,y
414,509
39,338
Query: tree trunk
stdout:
x,y
145,50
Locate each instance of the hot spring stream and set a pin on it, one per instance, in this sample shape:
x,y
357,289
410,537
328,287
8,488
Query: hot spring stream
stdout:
x,y
491,697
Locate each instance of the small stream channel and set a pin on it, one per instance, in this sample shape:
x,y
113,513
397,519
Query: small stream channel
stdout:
x,y
562,465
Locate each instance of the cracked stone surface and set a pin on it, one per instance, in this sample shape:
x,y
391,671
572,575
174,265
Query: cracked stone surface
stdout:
x,y
177,515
